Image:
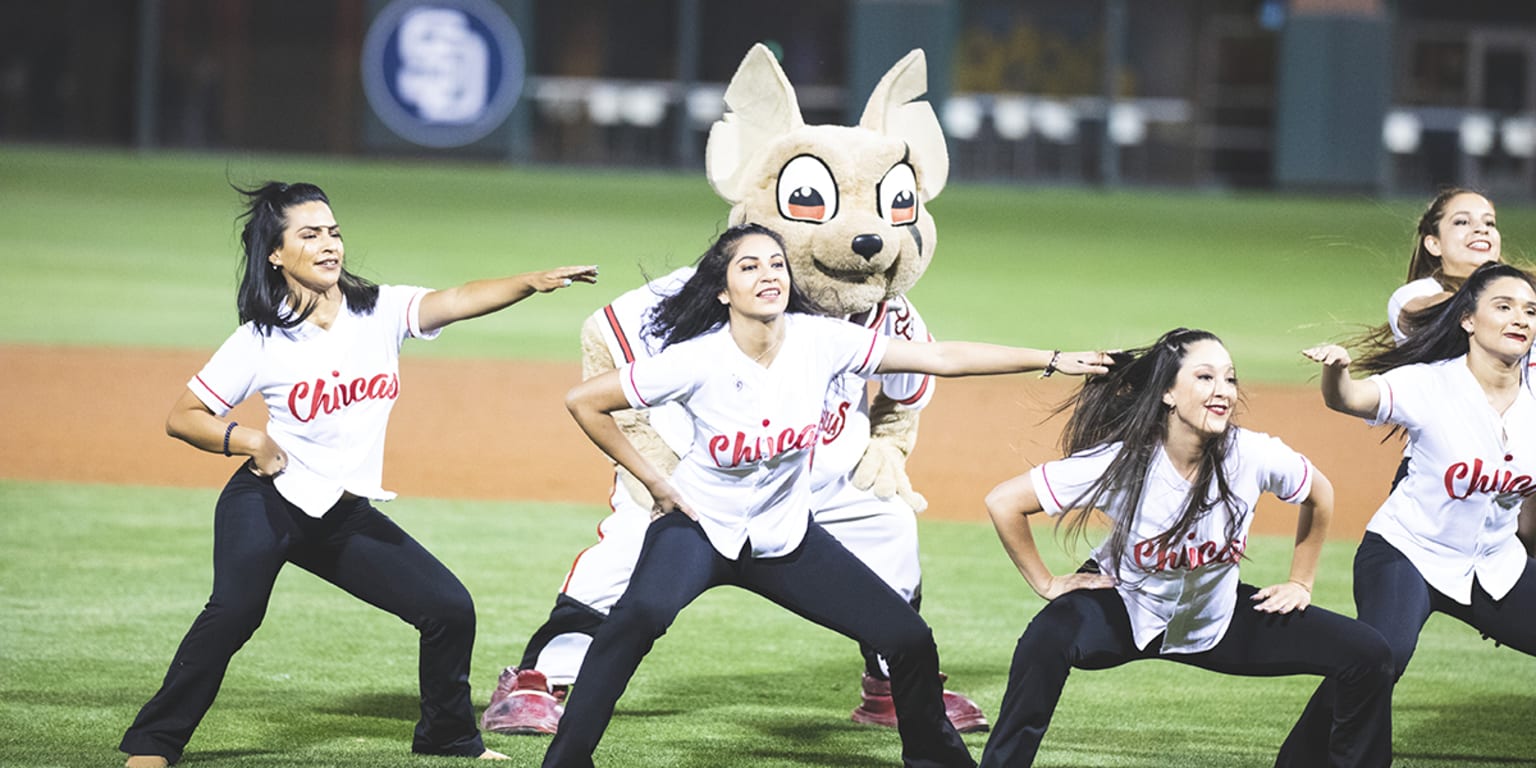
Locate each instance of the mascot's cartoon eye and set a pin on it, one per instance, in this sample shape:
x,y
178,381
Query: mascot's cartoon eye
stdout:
x,y
898,195
807,191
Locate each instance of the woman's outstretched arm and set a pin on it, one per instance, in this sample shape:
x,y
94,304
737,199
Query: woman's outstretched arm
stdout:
x,y
482,297
1340,392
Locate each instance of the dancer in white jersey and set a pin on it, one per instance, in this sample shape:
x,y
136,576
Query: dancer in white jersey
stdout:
x,y
1152,446
1457,534
1457,233
881,532
751,368
321,347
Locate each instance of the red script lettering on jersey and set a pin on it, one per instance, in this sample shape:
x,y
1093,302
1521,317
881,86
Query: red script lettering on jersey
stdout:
x,y
728,452
306,402
1151,557
1499,482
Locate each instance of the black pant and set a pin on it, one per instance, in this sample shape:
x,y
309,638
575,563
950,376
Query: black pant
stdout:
x,y
572,616
1090,629
1393,597
820,580
355,547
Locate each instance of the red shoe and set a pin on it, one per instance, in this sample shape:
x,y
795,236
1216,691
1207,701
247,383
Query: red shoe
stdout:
x,y
877,708
522,704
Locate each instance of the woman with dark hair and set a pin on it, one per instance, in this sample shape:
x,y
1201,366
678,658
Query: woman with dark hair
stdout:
x,y
751,368
1457,233
1152,447
1457,535
321,347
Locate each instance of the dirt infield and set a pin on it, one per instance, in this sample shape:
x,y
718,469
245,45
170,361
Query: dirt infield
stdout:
x,y
498,430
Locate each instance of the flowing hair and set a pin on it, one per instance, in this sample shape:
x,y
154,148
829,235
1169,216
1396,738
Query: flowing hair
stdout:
x,y
695,308
1126,406
1435,332
264,298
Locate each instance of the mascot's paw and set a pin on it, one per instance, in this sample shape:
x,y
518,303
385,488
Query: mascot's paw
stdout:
x,y
522,704
883,471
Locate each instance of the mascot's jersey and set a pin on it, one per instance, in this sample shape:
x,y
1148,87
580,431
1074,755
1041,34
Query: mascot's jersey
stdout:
x,y
845,420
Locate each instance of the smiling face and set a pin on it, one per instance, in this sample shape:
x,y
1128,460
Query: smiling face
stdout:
x,y
757,279
1501,325
1466,236
1205,390
311,254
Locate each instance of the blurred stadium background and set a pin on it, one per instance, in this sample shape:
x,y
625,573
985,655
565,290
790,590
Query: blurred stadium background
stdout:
x,y
1389,97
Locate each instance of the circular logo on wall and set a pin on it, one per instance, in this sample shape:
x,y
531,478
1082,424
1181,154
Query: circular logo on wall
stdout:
x,y
442,73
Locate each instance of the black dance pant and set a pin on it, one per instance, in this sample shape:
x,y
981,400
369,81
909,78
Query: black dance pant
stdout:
x,y
355,547
1090,629
820,581
1393,597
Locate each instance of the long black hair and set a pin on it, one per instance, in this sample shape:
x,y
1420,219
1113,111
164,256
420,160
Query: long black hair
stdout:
x,y
1126,406
1435,332
264,298
695,308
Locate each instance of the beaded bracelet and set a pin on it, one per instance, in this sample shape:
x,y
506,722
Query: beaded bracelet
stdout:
x,y
228,430
1050,367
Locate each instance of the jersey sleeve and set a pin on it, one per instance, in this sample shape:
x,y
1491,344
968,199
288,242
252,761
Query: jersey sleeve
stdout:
x,y
845,347
1416,289
623,320
1060,483
400,305
230,375
1282,471
913,391
1404,396
670,375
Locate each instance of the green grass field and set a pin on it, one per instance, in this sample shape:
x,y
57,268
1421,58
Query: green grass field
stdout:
x,y
98,583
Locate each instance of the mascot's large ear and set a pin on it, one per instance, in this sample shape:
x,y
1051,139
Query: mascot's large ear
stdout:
x,y
761,106
893,110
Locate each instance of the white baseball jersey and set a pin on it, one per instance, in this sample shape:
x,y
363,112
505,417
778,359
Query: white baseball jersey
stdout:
x,y
1188,591
1417,289
845,425
328,392
747,473
1455,515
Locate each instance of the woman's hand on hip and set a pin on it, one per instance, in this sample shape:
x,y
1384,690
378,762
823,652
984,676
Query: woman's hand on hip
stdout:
x,y
269,459
668,500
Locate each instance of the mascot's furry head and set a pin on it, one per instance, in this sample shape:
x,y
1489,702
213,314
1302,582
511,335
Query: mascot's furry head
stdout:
x,y
849,201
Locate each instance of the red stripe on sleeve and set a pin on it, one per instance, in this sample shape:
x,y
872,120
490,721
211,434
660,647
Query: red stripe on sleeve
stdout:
x,y
634,388
410,311
618,333
1390,400
211,392
868,353
922,390
1050,490
1306,472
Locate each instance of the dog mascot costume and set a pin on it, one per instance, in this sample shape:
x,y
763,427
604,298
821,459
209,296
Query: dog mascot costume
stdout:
x,y
849,202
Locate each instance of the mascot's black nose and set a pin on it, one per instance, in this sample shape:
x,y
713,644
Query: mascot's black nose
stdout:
x,y
867,245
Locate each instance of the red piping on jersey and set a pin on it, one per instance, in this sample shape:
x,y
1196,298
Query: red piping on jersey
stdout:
x,y
873,337
1389,400
210,391
572,572
634,388
1050,490
618,333
879,315
411,305
1306,472
922,390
